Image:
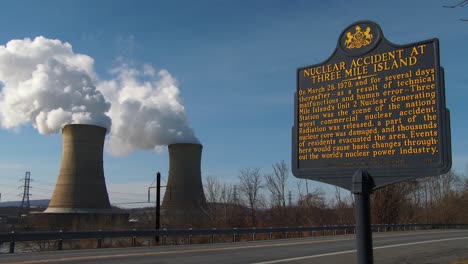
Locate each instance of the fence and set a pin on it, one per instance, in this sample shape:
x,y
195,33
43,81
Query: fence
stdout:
x,y
60,236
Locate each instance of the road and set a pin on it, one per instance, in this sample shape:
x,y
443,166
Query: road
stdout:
x,y
415,247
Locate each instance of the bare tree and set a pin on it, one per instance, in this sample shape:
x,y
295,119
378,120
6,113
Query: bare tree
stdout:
x,y
311,207
276,183
464,200
443,192
299,185
342,205
338,198
213,192
228,201
389,203
316,198
439,187
212,189
227,194
250,184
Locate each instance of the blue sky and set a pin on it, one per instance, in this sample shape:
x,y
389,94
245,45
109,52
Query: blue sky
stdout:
x,y
235,62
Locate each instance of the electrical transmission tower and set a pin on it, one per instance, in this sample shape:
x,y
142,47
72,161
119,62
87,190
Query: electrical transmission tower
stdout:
x,y
25,206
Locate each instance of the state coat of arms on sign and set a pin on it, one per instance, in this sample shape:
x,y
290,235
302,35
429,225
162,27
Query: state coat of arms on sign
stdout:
x,y
359,38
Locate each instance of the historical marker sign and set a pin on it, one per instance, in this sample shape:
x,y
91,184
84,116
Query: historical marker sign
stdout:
x,y
372,105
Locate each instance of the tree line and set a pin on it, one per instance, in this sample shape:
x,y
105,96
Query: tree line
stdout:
x,y
260,199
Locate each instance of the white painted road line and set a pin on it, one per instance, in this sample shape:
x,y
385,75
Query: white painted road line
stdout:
x,y
352,251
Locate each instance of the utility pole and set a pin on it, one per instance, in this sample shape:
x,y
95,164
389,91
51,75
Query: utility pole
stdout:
x,y
25,206
158,203
158,200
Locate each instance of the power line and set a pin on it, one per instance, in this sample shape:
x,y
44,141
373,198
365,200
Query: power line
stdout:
x,y
44,182
37,188
139,194
164,180
133,203
12,186
8,193
152,182
40,195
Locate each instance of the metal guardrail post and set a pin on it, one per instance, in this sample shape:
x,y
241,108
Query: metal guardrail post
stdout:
x,y
12,246
213,236
12,243
164,240
60,244
99,241
190,237
60,241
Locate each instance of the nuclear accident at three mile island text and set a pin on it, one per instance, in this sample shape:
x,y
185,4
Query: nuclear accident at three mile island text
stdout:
x,y
351,109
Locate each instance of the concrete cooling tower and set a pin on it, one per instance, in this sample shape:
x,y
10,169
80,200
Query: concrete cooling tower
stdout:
x,y
184,203
81,188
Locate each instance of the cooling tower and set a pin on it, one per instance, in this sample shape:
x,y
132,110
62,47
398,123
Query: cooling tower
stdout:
x,y
81,187
184,203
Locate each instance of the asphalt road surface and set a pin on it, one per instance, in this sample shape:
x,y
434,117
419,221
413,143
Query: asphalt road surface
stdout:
x,y
418,247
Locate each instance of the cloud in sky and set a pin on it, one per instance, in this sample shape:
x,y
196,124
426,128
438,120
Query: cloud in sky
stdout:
x,y
47,84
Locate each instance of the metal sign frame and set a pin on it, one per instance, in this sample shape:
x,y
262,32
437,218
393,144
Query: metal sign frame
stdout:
x,y
339,171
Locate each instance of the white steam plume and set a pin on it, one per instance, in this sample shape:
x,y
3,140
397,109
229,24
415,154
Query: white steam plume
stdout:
x,y
145,114
46,83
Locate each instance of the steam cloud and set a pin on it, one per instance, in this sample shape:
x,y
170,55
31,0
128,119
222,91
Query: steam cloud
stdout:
x,y
145,114
47,84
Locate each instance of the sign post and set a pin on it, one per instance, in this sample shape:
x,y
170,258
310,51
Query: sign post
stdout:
x,y
375,110
362,188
